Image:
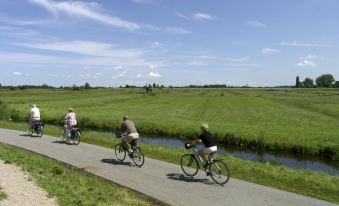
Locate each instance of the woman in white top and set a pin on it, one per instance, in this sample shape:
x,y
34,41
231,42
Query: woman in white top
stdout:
x,y
34,115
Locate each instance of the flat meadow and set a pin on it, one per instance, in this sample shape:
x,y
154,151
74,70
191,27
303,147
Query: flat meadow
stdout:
x,y
294,120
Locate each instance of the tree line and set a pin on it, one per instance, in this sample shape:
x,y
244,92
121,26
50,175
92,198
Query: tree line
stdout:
x,y
323,81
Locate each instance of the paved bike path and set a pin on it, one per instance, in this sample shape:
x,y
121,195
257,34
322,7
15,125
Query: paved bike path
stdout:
x,y
160,180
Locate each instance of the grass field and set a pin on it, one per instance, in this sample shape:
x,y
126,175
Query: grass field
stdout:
x,y
70,187
314,184
2,195
295,120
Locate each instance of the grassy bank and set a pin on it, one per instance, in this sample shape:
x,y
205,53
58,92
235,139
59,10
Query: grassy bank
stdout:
x,y
70,187
299,121
314,184
2,195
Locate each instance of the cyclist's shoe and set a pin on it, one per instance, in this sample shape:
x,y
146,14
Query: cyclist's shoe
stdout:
x,y
130,153
208,173
205,166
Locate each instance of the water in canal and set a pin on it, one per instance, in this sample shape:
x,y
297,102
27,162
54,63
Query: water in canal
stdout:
x,y
277,158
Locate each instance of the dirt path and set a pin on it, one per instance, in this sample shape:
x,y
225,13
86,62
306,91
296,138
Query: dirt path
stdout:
x,y
19,190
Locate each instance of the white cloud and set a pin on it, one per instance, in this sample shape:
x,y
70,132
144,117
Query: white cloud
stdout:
x,y
181,15
177,30
138,76
86,47
153,66
202,16
196,16
306,61
257,24
269,51
123,73
17,73
144,1
196,63
154,74
303,44
20,22
119,75
151,27
102,52
85,10
17,31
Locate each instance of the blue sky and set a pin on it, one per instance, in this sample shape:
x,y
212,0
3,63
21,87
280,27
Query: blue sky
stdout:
x,y
179,42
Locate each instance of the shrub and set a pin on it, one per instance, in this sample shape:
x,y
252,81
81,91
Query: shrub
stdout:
x,y
4,111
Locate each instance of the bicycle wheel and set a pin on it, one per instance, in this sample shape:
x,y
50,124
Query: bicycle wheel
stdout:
x,y
120,152
76,137
220,172
30,132
40,131
29,129
138,157
63,135
189,164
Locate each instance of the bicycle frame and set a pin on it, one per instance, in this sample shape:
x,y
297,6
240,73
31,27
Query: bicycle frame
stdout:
x,y
197,156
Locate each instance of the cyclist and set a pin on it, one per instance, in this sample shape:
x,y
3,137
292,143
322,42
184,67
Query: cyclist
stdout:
x,y
210,147
34,116
70,121
132,136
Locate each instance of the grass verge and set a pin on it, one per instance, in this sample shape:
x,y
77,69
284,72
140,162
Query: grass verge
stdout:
x,y
314,184
2,194
70,186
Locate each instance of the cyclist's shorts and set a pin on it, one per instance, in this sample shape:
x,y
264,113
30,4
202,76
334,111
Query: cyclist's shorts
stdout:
x,y
130,137
209,150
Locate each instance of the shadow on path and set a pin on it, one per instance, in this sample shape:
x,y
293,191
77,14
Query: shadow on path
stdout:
x,y
28,135
116,162
62,142
184,178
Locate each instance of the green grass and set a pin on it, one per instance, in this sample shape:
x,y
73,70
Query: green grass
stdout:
x,y
70,187
2,194
295,120
309,183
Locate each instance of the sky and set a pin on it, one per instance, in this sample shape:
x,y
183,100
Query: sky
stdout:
x,y
169,42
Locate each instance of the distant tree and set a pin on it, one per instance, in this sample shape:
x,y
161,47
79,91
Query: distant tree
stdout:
x,y
0,85
336,84
75,88
87,86
154,85
308,83
297,82
325,80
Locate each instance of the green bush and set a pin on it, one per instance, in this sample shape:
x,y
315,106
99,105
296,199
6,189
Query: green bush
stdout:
x,y
4,111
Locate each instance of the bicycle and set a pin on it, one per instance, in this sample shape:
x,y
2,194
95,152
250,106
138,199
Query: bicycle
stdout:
x,y
191,163
74,135
136,155
38,128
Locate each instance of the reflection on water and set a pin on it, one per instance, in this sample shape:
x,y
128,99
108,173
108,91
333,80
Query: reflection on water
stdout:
x,y
288,160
